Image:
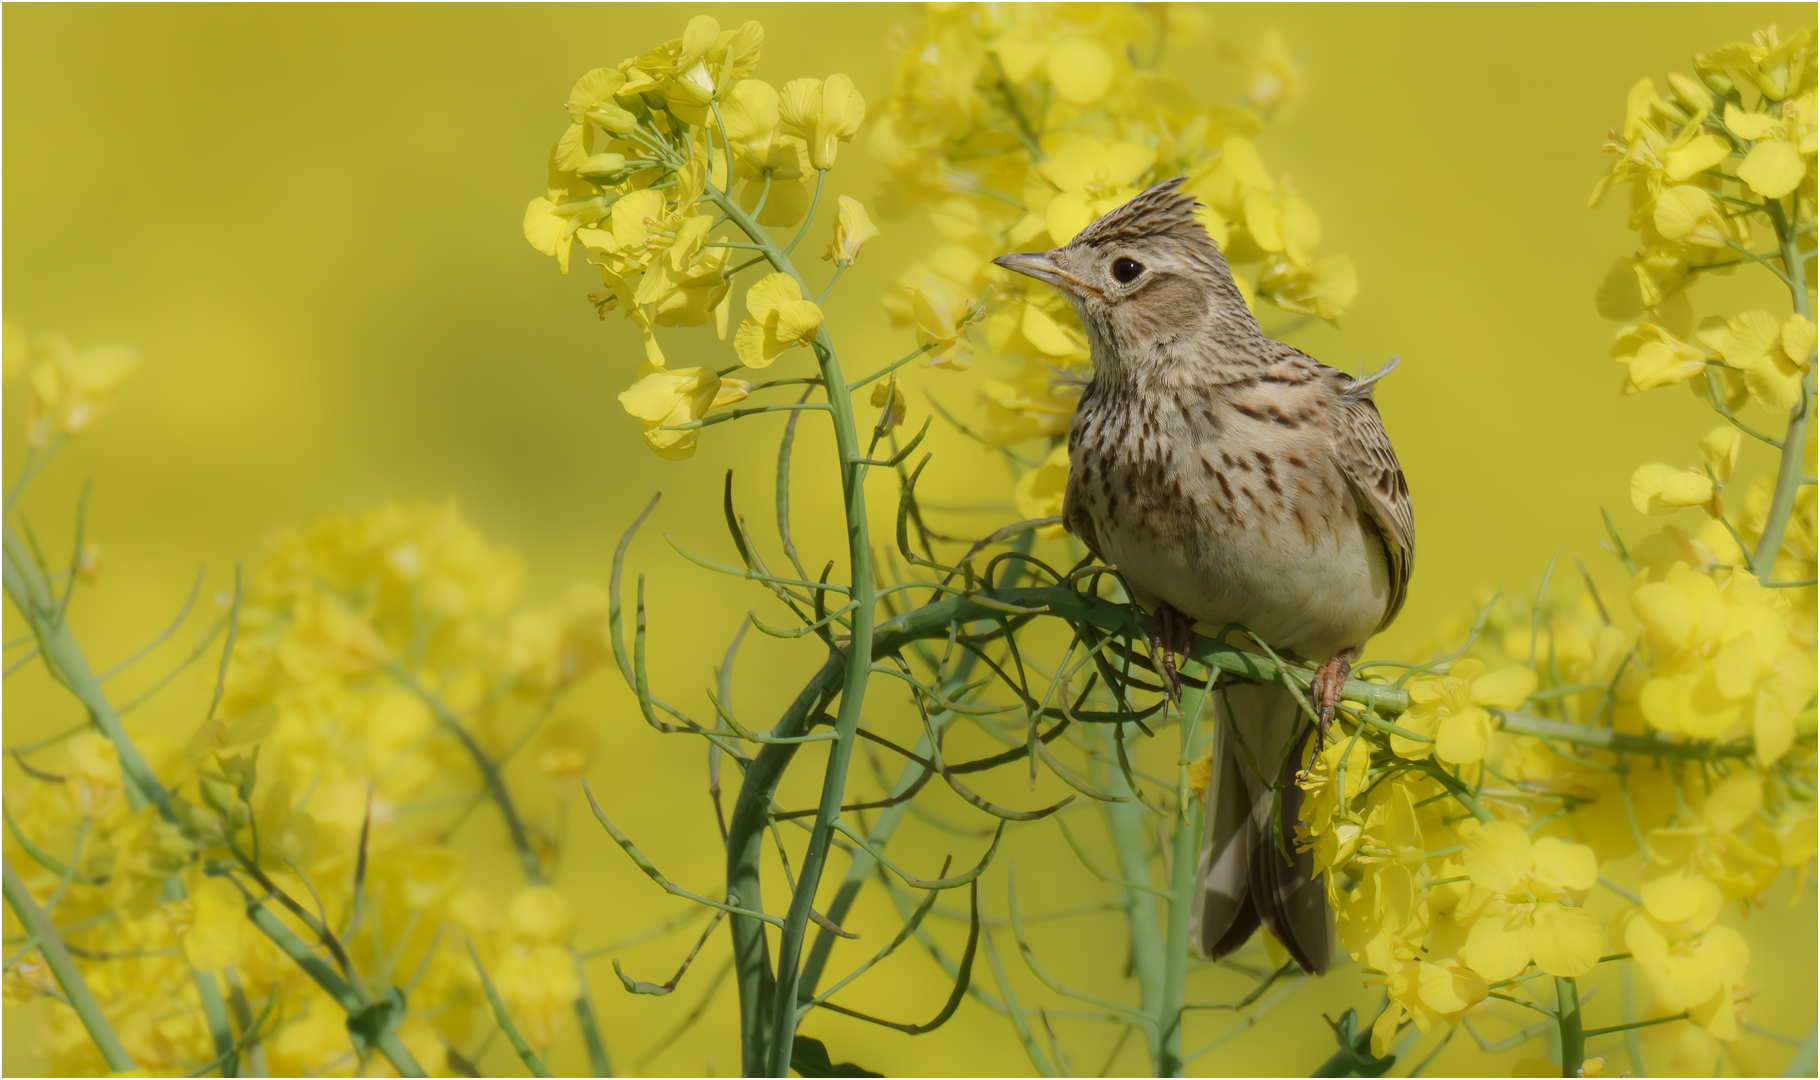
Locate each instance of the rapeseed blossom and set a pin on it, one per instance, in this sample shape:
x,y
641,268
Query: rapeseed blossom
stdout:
x,y
660,146
1012,128
1714,653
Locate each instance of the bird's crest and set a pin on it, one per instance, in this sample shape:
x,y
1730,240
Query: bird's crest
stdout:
x,y
1161,210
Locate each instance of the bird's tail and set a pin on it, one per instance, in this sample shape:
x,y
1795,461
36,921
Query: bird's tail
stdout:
x,y
1250,873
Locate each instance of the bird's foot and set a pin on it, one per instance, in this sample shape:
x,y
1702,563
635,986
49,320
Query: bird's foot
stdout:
x,y
1329,680
1170,633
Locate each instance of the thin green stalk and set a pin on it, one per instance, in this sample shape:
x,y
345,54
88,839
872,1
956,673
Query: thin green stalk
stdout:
x,y
859,649
1128,822
533,1063
1184,869
63,967
745,836
32,596
489,771
1568,1022
1794,443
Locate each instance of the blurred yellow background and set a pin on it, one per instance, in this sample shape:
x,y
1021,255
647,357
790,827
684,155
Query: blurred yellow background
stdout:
x,y
308,219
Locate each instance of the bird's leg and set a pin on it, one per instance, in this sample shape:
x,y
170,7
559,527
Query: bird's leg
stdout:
x,y
1169,634
1329,680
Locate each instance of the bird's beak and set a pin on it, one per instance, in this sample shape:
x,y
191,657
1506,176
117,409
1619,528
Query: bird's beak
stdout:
x,y
1039,265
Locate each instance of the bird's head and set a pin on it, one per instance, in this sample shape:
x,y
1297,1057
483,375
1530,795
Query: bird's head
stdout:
x,y
1142,277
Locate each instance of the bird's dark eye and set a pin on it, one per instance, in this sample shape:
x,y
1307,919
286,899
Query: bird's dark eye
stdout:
x,y
1126,270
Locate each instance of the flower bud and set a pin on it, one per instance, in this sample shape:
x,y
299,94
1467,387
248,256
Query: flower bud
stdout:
x,y
604,169
218,794
1718,82
1689,93
609,115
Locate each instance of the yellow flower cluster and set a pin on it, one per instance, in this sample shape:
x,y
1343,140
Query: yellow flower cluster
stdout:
x,y
1448,907
383,669
656,148
1014,126
1673,743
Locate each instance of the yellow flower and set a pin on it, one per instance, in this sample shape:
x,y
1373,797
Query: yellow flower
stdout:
x,y
696,68
1325,288
1080,68
91,774
1424,992
1452,710
888,398
567,746
1719,450
1691,963
1332,782
749,120
1276,78
942,313
592,99
561,643
664,399
1663,489
1772,355
777,319
71,390
1655,358
1713,654
1092,176
822,114
852,228
1525,919
1783,146
217,927
1039,491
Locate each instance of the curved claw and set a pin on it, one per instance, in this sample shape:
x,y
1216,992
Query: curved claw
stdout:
x,y
1171,632
1328,684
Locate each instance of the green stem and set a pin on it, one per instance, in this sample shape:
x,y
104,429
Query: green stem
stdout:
x,y
488,768
31,595
855,675
533,1064
1184,872
1573,1035
1128,823
51,947
745,836
1794,443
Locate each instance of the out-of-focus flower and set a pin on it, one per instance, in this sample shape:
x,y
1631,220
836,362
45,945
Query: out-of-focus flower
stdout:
x,y
71,389
1713,653
1039,491
559,643
567,746
942,316
1276,78
91,774
888,398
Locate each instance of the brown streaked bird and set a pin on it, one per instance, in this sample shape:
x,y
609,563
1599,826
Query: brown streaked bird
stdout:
x,y
1231,479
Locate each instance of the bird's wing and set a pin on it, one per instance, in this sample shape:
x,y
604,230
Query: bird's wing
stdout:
x,y
1363,453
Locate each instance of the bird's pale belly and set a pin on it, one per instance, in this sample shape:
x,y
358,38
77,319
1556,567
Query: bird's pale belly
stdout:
x,y
1310,597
